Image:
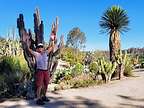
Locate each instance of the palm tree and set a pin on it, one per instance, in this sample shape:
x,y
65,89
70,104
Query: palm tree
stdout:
x,y
114,21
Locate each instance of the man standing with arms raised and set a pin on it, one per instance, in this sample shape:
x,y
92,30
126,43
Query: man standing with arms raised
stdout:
x,y
42,76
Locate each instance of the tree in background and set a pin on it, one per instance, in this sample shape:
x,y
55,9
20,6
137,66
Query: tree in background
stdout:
x,y
76,39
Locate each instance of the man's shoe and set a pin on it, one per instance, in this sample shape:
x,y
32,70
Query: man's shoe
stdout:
x,y
44,98
40,102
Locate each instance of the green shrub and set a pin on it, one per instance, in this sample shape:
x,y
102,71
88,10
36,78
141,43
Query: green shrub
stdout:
x,y
93,67
3,85
11,70
141,60
78,69
59,75
83,80
128,66
94,70
83,83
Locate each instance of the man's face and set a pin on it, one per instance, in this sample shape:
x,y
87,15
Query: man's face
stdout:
x,y
40,49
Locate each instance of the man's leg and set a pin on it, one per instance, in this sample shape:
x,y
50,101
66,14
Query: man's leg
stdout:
x,y
46,82
39,84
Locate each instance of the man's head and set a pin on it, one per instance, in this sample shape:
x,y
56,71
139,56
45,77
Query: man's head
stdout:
x,y
40,48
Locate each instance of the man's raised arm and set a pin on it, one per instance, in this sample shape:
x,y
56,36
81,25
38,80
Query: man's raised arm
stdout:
x,y
51,47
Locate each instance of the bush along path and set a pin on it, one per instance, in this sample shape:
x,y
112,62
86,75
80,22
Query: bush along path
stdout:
x,y
127,93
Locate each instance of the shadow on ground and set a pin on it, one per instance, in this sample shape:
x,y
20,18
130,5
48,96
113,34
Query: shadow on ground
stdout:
x,y
131,100
59,102
139,70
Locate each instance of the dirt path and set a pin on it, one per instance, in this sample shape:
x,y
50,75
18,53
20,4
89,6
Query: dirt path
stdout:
x,y
128,93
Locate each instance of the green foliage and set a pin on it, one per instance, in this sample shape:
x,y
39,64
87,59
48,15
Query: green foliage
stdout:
x,y
11,70
3,85
78,69
67,74
93,67
68,55
114,18
60,75
127,61
9,47
106,68
82,83
83,80
128,65
141,60
76,38
94,70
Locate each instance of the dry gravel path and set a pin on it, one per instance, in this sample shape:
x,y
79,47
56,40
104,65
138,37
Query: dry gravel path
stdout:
x,y
127,93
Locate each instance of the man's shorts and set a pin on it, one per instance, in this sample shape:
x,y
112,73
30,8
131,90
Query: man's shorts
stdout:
x,y
42,78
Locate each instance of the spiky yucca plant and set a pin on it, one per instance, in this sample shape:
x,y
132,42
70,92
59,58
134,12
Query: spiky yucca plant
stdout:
x,y
114,21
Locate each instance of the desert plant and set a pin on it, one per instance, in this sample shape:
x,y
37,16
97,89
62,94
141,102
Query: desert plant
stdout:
x,y
128,66
106,69
141,60
60,75
120,60
77,69
83,80
94,69
114,21
11,71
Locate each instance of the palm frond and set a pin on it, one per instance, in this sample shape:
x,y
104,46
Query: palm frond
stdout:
x,y
114,18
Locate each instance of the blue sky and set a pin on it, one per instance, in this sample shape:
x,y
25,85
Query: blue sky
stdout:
x,y
84,14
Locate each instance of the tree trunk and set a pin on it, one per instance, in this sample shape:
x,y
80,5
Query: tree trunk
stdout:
x,y
121,71
114,46
38,28
25,39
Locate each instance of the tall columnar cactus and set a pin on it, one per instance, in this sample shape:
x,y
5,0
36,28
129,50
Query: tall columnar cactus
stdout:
x,y
38,27
9,47
26,40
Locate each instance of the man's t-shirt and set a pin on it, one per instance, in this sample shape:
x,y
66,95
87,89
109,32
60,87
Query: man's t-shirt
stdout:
x,y
41,60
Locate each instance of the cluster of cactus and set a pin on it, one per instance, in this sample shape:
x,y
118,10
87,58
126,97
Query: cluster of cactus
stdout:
x,y
121,58
105,68
10,47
